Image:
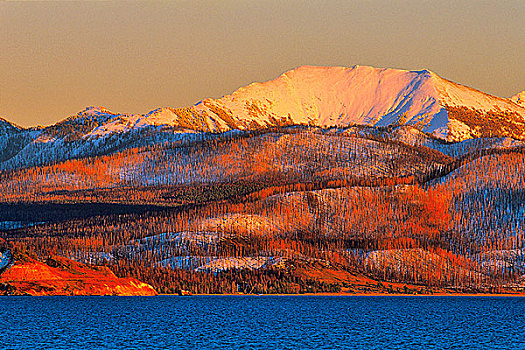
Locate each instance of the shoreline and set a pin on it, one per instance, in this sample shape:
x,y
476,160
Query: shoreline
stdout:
x,y
440,294
368,295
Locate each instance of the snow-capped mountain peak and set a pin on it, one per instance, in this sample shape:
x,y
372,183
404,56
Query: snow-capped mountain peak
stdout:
x,y
341,96
94,110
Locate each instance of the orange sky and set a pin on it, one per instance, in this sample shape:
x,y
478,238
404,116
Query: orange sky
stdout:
x,y
58,57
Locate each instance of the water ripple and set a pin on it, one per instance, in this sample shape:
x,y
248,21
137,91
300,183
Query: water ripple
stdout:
x,y
270,322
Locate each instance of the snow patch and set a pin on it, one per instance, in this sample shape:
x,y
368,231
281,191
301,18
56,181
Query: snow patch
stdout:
x,y
458,130
4,259
227,263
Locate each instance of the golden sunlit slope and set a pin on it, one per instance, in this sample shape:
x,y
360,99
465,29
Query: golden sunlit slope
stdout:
x,y
62,276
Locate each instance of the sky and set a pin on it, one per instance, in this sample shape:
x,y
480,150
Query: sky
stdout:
x,y
58,57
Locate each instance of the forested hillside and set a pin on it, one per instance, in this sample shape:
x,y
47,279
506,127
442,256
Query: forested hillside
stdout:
x,y
284,210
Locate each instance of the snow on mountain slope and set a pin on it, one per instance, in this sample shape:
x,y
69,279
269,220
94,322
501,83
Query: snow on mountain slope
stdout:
x,y
326,97
127,122
92,132
334,96
339,96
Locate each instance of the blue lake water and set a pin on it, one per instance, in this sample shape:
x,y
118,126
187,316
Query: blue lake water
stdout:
x,y
262,322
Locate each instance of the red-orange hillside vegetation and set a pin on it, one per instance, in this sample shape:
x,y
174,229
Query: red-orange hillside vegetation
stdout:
x,y
62,276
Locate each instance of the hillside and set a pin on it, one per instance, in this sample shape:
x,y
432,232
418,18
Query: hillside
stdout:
x,y
248,212
7,128
56,275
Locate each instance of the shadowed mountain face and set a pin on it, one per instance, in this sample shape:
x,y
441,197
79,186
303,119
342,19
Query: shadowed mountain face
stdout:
x,y
7,127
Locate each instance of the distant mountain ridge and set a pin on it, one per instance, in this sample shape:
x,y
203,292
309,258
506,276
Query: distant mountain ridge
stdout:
x,y
7,127
307,95
519,98
320,96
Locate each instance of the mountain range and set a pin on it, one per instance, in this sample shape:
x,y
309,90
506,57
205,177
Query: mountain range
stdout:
x,y
317,96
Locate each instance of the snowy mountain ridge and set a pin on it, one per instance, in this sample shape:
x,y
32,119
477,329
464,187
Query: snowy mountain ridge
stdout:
x,y
325,97
339,96
307,95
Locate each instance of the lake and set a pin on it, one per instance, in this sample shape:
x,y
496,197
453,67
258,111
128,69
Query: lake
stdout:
x,y
262,322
